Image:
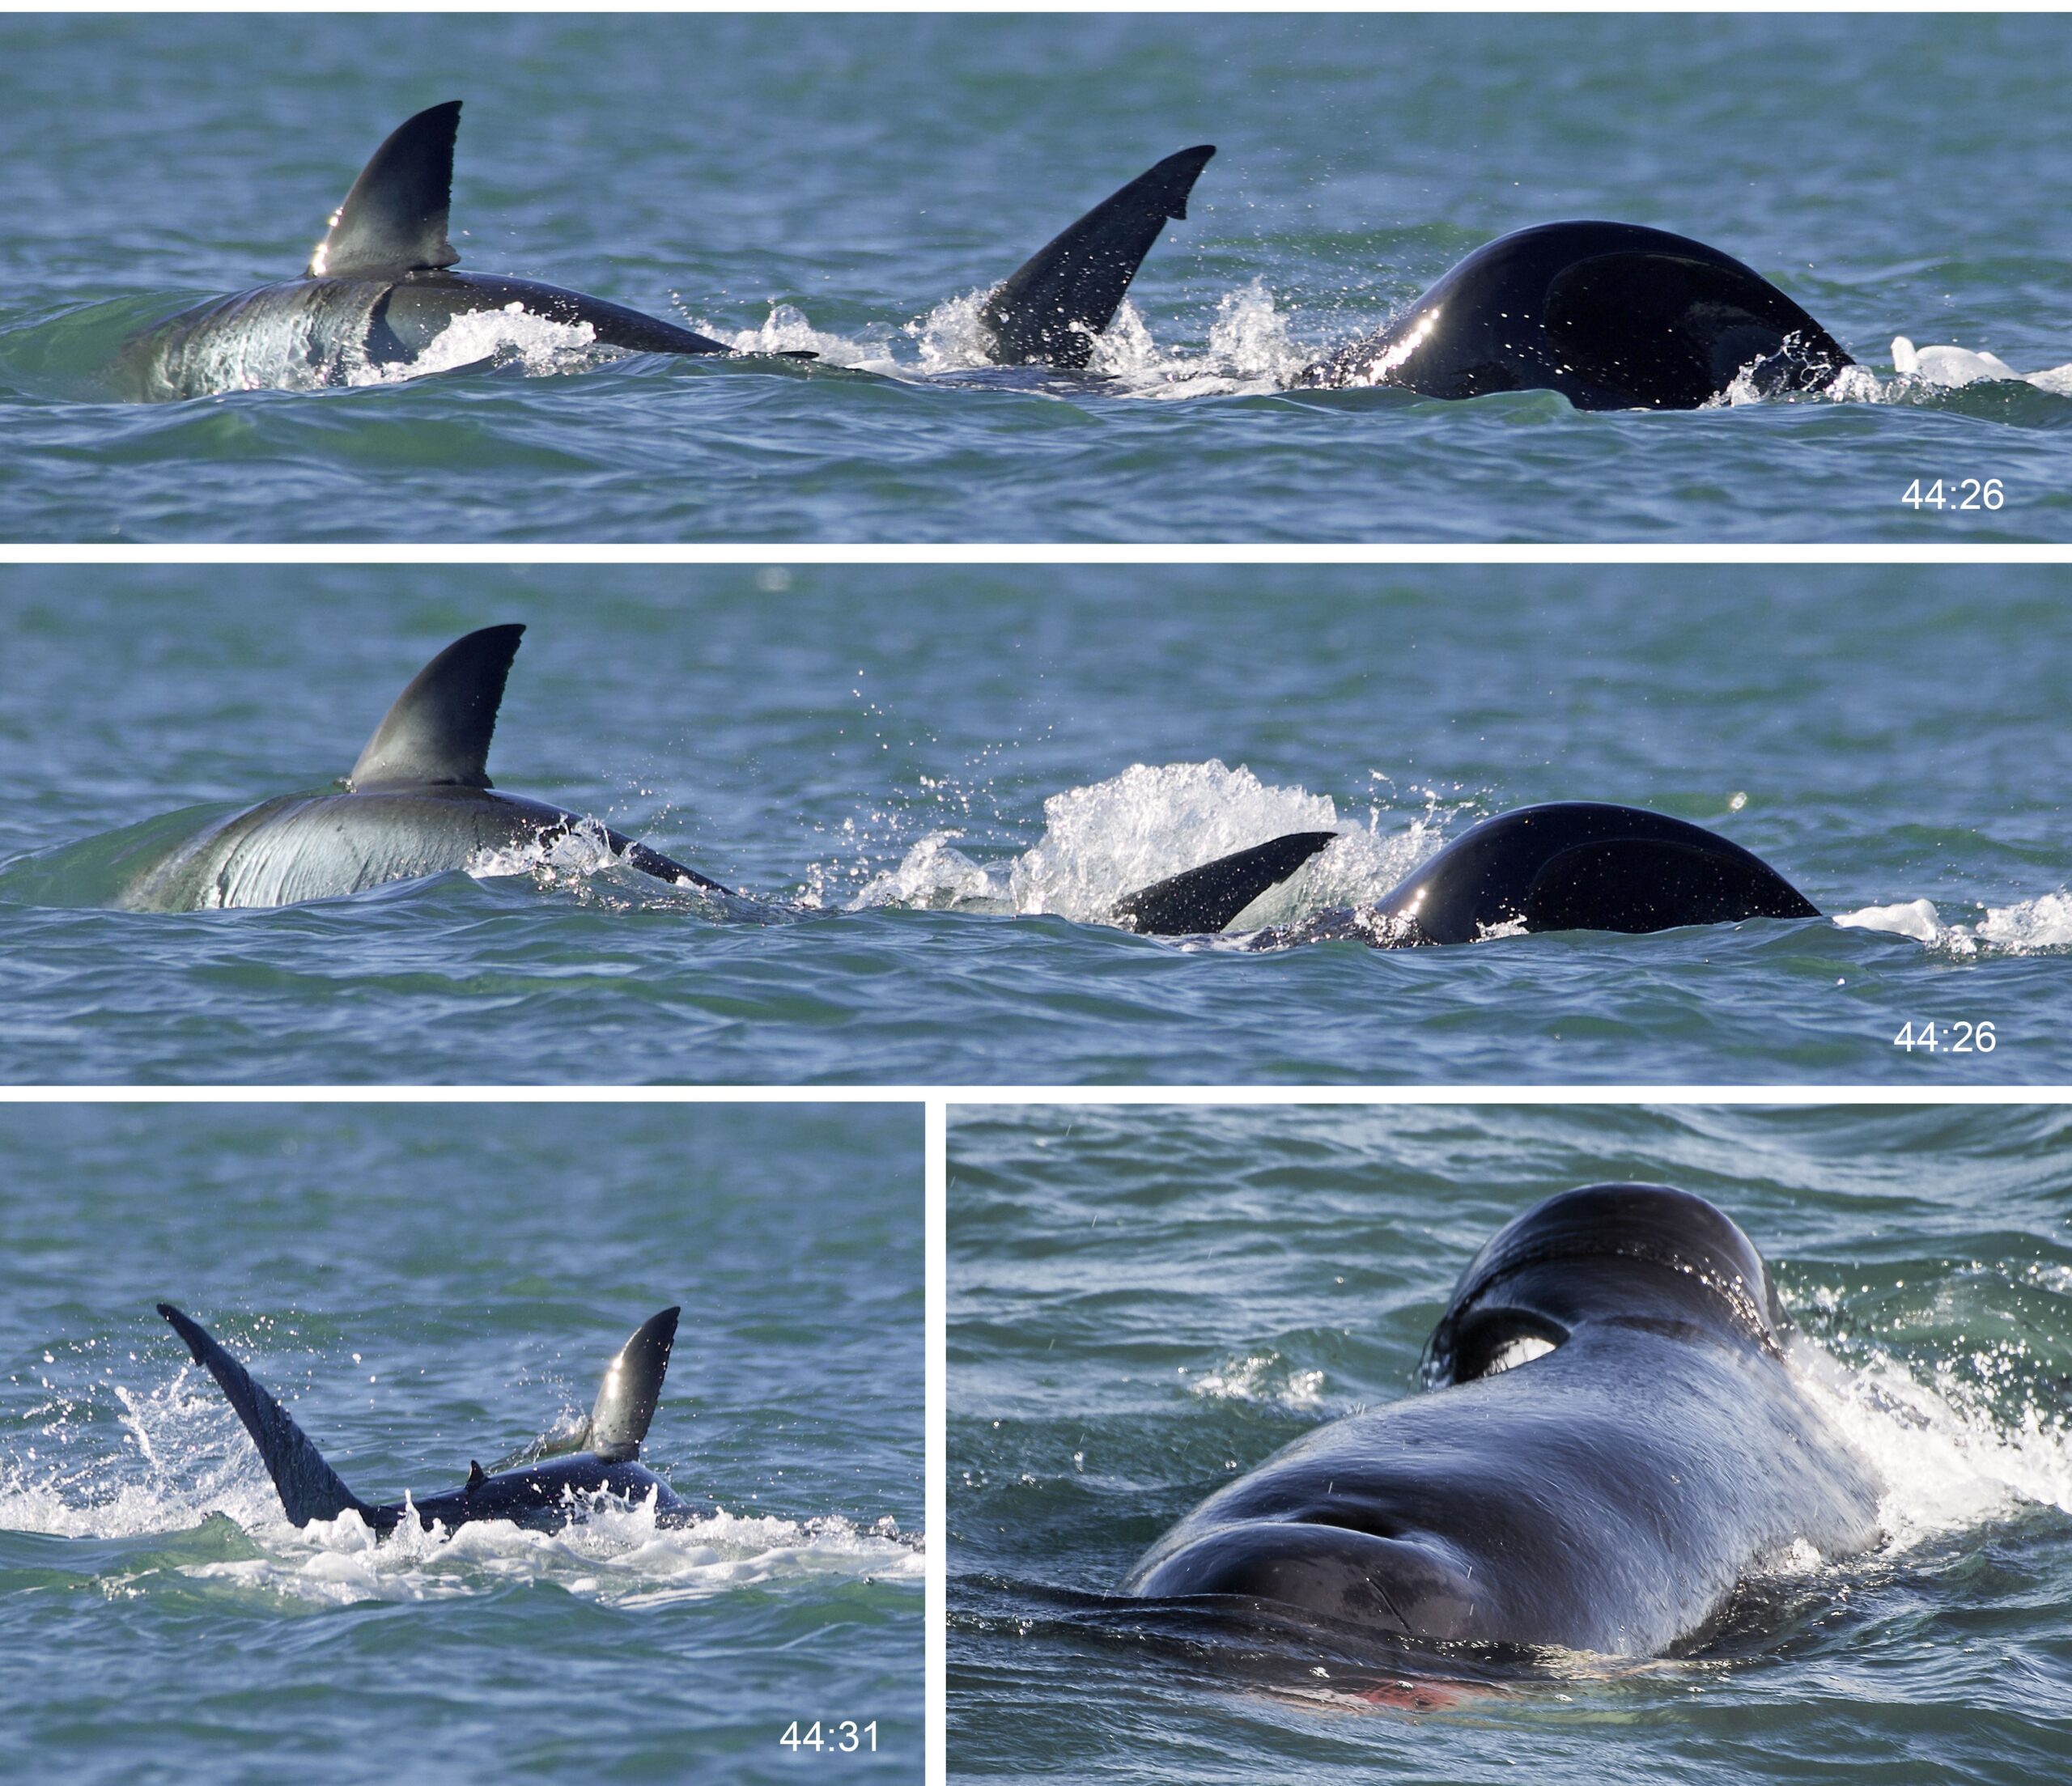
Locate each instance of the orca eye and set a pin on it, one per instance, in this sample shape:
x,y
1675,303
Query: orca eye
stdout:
x,y
1517,1351
1501,1340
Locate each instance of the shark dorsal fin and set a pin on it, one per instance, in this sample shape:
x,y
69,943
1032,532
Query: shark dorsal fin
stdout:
x,y
437,731
632,1386
394,218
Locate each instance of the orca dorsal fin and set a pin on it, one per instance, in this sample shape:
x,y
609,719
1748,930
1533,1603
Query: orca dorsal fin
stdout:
x,y
632,1386
1052,306
309,1488
438,732
1203,900
394,218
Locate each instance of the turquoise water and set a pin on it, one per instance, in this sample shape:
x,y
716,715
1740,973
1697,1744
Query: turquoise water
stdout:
x,y
841,184
425,1286
936,782
1144,1301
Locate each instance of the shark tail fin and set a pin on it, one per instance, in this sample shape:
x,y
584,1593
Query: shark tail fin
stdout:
x,y
1051,307
439,731
309,1488
394,218
616,1424
1205,899
632,1386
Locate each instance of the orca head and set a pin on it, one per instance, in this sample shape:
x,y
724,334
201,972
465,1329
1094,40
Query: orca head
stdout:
x,y
1601,1252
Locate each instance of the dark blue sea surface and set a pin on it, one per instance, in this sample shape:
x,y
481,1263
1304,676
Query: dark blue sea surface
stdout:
x,y
934,784
845,184
1144,1302
422,1287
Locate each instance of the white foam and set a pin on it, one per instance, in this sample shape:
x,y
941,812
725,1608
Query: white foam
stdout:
x,y
617,1555
1117,836
1916,372
2029,926
786,330
933,875
1916,918
572,855
1948,1459
1248,349
1261,1377
510,337
580,861
1947,365
179,1455
1950,368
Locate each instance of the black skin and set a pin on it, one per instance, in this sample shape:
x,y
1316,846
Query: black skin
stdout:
x,y
1587,865
1607,1495
1612,315
542,1497
1566,865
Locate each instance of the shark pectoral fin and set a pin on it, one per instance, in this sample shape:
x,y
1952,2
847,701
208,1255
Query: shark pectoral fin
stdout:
x,y
439,731
394,218
1638,885
559,1442
1052,306
308,1487
632,1386
662,867
1207,898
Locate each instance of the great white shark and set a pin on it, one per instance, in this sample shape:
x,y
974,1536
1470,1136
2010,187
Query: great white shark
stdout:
x,y
382,287
379,291
1566,865
542,1485
419,802
1612,1444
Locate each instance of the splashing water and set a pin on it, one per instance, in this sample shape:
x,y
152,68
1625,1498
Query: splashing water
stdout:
x,y
1949,1459
1112,838
617,1555
511,337
786,330
1262,1377
951,338
1953,367
182,1458
2030,926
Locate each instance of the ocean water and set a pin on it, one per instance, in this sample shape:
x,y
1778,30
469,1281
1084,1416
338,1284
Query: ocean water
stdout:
x,y
1144,1301
423,1286
933,784
845,184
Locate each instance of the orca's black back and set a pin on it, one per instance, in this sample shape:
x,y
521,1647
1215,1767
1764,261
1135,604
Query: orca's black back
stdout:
x,y
1612,315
